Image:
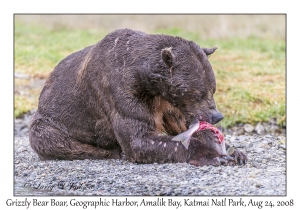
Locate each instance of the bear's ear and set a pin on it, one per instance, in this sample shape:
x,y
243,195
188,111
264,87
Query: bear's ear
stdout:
x,y
209,51
167,56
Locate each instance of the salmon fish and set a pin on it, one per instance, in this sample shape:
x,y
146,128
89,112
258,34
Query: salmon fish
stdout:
x,y
217,144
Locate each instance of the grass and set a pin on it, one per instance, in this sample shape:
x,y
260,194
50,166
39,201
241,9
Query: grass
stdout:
x,y
250,71
39,49
22,105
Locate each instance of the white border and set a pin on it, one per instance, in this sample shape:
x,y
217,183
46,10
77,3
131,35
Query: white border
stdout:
x,y
8,8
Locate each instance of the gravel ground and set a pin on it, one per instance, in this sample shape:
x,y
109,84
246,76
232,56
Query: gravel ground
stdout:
x,y
264,174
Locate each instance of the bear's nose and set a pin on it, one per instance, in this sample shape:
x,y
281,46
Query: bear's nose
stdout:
x,y
216,117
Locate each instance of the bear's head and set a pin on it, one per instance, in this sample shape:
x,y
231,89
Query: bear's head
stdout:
x,y
191,82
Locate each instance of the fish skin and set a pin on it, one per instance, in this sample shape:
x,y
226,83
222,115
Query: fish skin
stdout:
x,y
185,137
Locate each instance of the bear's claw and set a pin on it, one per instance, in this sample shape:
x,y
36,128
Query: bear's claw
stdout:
x,y
239,157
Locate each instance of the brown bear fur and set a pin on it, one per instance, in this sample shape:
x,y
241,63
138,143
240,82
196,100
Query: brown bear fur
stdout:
x,y
117,97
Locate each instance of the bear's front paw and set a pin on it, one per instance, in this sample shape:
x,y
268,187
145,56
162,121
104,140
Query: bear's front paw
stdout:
x,y
239,157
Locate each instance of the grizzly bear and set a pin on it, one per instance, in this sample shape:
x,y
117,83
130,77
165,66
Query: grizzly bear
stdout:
x,y
126,97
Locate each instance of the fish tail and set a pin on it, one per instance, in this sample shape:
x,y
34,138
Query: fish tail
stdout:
x,y
180,137
186,143
185,139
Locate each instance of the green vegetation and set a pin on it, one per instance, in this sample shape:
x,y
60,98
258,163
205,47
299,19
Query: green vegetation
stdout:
x,y
38,49
250,72
22,105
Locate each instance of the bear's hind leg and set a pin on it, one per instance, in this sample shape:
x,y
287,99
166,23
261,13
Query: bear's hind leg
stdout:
x,y
50,144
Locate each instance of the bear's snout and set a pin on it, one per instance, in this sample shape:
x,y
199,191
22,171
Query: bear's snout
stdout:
x,y
216,117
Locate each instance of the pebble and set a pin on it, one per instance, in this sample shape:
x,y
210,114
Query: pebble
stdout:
x,y
260,129
233,138
249,128
263,175
185,192
282,146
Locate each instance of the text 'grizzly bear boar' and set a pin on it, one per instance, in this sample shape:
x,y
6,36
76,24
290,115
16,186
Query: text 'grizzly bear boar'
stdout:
x,y
126,97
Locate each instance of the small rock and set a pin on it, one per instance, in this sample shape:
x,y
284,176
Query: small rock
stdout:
x,y
177,191
260,129
264,161
235,128
232,138
259,150
258,185
238,145
243,138
281,139
185,192
252,139
255,165
239,131
275,129
273,121
250,145
282,146
268,136
249,128
267,127
168,191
